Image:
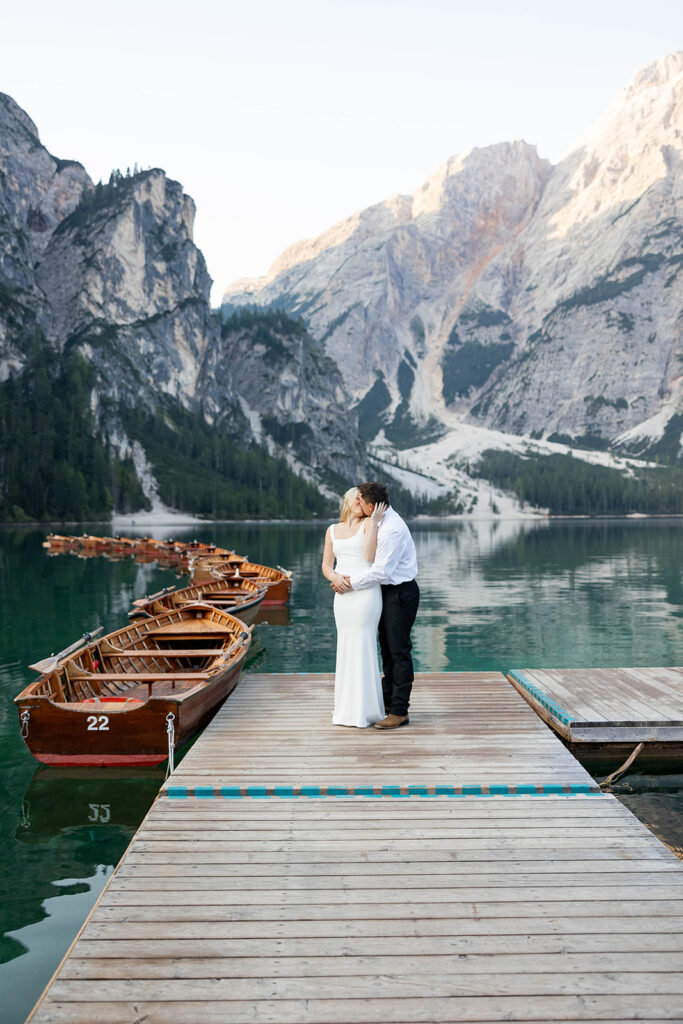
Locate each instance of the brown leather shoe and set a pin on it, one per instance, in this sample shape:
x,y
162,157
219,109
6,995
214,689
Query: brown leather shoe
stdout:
x,y
392,722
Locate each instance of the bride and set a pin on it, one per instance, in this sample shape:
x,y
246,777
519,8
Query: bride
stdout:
x,y
358,699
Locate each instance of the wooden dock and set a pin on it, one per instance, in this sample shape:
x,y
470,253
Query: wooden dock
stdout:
x,y
489,882
615,706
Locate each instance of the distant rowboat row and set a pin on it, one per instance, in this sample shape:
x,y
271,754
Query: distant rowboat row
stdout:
x,y
135,695
204,562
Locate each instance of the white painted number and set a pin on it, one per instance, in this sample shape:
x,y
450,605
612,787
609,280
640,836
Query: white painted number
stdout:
x,y
98,723
100,812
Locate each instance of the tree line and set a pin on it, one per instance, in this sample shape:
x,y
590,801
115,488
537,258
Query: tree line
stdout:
x,y
53,463
569,486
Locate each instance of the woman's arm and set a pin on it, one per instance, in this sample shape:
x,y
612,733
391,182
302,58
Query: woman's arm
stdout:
x,y
335,578
370,545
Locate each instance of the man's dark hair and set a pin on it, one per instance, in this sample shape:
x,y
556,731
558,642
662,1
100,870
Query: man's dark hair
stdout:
x,y
373,493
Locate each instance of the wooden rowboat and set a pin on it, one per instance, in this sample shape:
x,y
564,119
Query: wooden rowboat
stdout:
x,y
277,581
127,544
134,695
189,558
59,541
89,543
241,598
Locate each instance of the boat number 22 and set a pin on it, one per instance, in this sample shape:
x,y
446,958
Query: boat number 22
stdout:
x,y
98,723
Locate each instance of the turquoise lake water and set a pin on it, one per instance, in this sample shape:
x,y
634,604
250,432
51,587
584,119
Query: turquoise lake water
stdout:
x,y
495,595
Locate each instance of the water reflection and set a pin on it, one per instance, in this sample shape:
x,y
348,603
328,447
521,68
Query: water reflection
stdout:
x,y
71,828
58,801
578,594
657,800
277,615
494,595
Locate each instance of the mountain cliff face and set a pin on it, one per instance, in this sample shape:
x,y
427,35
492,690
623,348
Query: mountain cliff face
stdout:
x,y
36,192
110,274
127,286
532,299
289,392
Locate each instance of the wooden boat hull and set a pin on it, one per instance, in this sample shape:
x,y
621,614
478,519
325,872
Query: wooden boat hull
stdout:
x,y
248,599
109,703
115,736
277,582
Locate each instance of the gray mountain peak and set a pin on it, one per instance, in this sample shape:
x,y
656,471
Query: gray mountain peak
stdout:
x,y
507,292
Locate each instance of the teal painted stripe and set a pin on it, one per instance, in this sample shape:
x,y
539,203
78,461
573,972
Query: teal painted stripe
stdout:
x,y
393,792
543,699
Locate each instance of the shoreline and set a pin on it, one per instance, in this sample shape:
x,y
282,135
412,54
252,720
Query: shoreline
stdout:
x,y
156,523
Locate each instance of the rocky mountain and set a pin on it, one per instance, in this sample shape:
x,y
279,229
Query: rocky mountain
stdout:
x,y
109,274
510,294
36,192
506,304
290,393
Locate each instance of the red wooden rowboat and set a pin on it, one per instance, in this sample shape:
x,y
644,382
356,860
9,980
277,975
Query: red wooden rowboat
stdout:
x,y
277,581
241,598
110,702
60,542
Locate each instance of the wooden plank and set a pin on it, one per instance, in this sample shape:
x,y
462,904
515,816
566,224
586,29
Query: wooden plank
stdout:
x,y
599,1009
619,910
395,988
125,943
137,965
112,924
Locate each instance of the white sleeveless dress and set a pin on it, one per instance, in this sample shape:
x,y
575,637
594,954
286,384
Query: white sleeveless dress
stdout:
x,y
358,698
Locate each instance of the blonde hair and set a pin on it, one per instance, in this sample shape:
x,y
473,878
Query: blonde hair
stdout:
x,y
347,504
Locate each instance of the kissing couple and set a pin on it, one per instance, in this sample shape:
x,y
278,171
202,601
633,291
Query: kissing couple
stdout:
x,y
371,564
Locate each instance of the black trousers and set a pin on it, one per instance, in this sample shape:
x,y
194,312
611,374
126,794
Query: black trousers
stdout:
x,y
399,608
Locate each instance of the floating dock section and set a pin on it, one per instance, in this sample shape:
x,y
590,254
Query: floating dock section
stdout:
x,y
614,707
463,868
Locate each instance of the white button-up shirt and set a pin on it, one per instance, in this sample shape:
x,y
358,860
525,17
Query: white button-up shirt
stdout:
x,y
395,559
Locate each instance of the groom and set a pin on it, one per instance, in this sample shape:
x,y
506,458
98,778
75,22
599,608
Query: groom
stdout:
x,y
395,569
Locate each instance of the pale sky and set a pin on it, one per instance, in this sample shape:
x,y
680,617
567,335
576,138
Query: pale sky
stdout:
x,y
280,117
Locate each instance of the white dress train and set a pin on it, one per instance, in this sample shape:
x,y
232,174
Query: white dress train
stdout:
x,y
358,698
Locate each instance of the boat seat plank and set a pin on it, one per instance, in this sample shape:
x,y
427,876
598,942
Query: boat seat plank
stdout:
x,y
170,653
143,677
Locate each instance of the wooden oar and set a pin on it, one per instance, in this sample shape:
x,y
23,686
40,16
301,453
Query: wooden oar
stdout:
x,y
51,663
151,597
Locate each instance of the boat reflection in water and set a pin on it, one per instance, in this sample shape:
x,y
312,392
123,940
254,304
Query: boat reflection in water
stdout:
x,y
275,615
59,801
72,830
